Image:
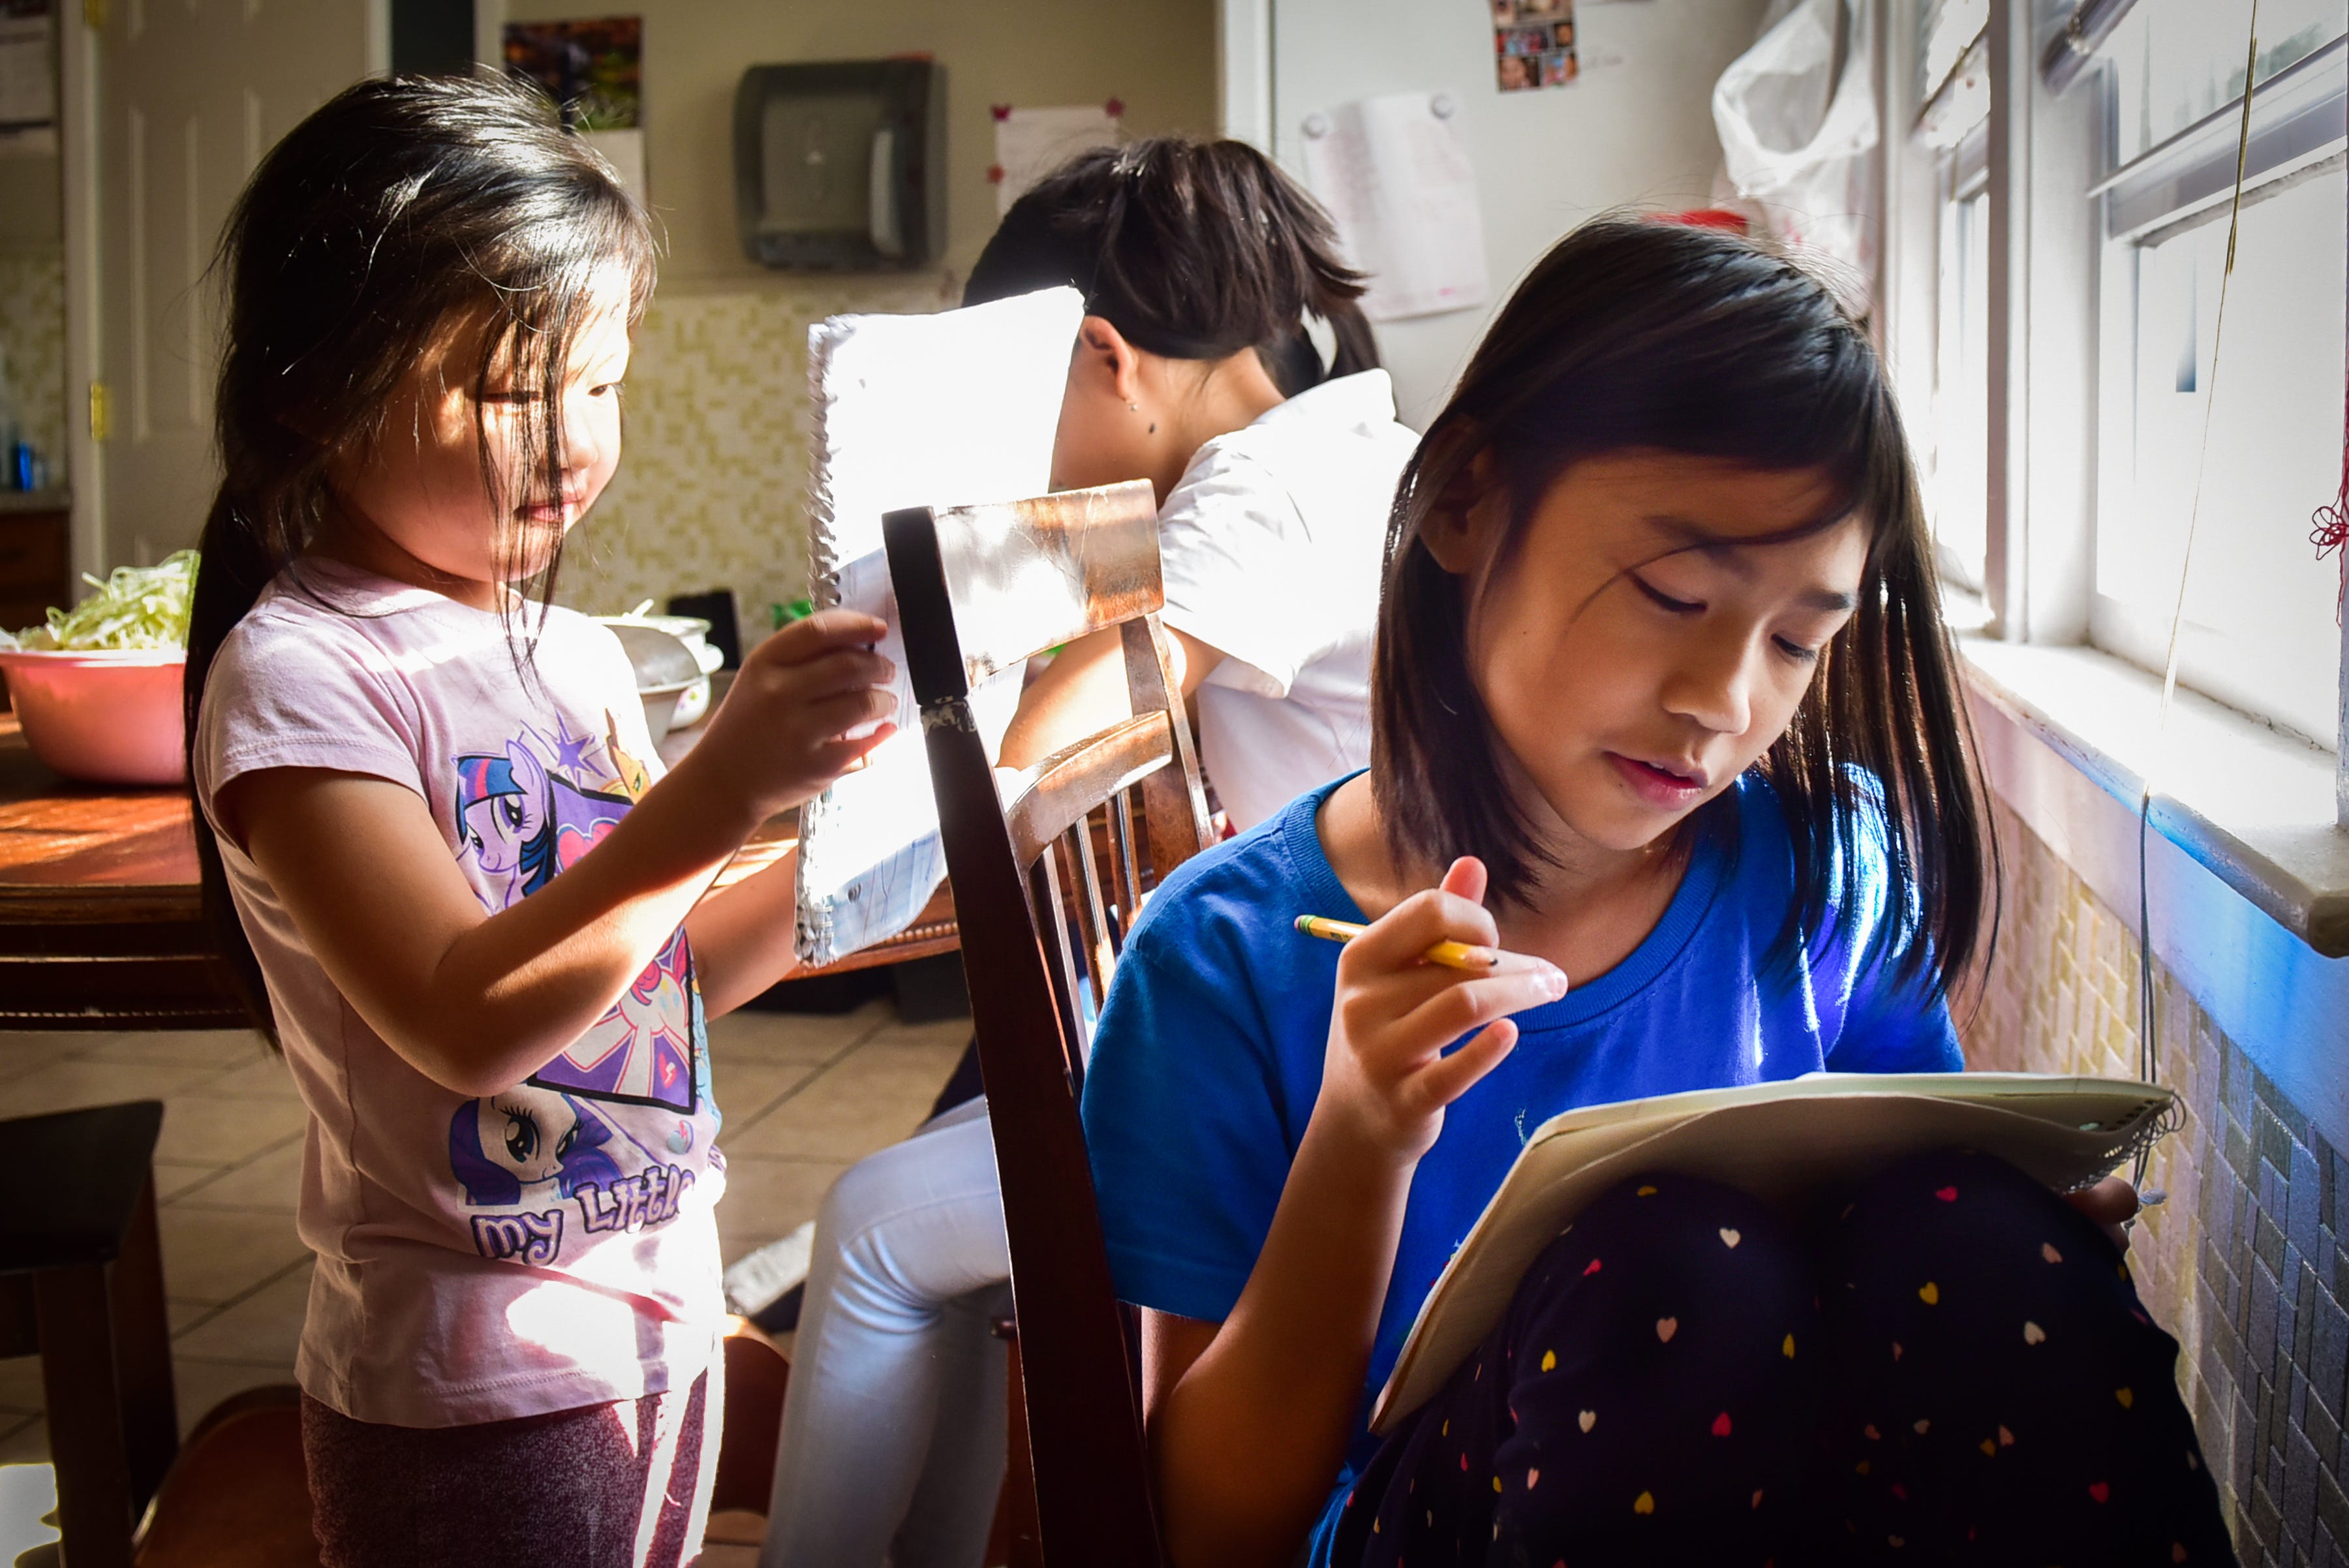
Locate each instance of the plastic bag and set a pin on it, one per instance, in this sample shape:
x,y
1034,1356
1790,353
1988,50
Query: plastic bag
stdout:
x,y
1797,119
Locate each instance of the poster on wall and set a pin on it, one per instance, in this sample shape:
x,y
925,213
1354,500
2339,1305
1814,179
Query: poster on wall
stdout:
x,y
1533,45
595,70
1398,182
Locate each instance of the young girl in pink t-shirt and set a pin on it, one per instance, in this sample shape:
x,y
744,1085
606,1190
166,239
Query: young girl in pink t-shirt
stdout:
x,y
468,903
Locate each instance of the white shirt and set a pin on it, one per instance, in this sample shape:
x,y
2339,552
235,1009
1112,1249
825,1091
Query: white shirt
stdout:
x,y
1272,548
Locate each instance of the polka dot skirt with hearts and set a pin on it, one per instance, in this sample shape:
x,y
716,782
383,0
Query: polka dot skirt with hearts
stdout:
x,y
1955,1368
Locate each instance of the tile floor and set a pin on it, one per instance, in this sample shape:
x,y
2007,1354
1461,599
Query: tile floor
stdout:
x,y
804,1097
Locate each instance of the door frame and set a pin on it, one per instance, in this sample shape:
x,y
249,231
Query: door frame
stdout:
x,y
79,98
1244,44
77,158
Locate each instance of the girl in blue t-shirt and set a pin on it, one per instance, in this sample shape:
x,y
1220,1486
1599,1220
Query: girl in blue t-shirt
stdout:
x,y
1661,698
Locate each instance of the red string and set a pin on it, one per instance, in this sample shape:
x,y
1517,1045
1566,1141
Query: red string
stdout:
x,y
2331,530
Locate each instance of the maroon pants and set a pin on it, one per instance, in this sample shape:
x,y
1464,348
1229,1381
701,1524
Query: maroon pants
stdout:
x,y
625,1485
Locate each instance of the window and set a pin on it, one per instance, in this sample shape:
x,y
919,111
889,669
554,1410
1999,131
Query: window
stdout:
x,y
1957,482
2259,630
2109,199
2175,62
1953,85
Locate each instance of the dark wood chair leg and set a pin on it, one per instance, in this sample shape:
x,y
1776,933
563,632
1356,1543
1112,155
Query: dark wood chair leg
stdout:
x,y
1022,1535
85,1415
142,1354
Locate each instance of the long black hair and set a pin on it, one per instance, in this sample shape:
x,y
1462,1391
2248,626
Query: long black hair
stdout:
x,y
1192,250
403,220
1635,334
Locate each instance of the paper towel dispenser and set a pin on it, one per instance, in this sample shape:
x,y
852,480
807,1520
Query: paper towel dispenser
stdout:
x,y
840,165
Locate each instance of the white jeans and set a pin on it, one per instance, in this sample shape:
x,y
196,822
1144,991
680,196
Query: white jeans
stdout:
x,y
893,1442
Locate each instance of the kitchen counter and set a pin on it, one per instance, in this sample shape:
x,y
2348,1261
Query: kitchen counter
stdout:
x,y
35,554
101,923
57,498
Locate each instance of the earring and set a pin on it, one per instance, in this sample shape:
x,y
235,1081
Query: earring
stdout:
x,y
1131,406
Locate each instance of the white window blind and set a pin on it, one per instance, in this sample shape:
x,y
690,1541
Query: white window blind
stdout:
x,y
2259,630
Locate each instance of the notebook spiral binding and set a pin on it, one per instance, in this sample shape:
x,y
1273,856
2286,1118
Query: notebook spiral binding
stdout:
x,y
814,938
2133,1140
823,559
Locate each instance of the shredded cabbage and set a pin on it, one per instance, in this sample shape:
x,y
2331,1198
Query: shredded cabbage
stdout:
x,y
135,607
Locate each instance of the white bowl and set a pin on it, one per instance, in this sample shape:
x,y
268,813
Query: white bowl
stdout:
x,y
104,717
694,632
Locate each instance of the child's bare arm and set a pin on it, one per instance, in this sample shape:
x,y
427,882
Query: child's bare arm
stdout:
x,y
478,1002
1249,1418
744,935
1083,690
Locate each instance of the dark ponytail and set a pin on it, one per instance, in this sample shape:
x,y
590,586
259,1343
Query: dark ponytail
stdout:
x,y
1192,250
398,221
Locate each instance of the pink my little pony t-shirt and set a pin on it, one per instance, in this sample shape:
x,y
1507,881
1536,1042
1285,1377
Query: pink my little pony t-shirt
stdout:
x,y
541,1248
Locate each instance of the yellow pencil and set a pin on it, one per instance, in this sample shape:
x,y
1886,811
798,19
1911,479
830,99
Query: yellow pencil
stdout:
x,y
1451,955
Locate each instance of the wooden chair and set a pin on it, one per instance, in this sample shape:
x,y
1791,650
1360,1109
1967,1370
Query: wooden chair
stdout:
x,y
238,1496
979,589
81,1282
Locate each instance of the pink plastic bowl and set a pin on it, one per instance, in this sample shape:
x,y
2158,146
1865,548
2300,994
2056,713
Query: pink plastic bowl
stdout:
x,y
109,718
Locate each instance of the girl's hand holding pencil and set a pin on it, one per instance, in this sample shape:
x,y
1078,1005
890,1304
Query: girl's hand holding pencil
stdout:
x,y
1452,955
1420,977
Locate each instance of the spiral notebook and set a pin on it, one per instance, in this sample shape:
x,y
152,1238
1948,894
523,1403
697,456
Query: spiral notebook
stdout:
x,y
1784,1142
912,410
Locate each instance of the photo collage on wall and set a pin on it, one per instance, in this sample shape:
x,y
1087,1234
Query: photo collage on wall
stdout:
x,y
1533,44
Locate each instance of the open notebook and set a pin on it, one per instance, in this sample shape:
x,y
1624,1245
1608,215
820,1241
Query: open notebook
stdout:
x,y
912,410
1783,1142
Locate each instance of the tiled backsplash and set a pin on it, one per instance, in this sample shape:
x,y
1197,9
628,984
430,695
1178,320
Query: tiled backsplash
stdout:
x,y
2240,1263
712,486
33,337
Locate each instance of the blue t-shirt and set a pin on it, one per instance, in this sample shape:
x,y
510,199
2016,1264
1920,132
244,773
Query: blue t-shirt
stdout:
x,y
1208,1056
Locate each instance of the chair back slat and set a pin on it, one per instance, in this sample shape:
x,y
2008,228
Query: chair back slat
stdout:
x,y
1026,576
1174,803
1047,892
1078,778
1092,929
1082,1399
1129,873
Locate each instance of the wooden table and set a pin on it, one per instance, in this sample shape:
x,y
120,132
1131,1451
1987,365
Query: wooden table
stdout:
x,y
101,924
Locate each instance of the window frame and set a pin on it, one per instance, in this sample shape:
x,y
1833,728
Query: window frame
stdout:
x,y
2182,184
1961,204
2063,282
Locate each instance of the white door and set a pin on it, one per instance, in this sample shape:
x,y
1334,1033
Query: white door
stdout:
x,y
189,93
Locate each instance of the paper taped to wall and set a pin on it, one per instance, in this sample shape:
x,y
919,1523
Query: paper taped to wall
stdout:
x,y
1030,143
1398,181
912,410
